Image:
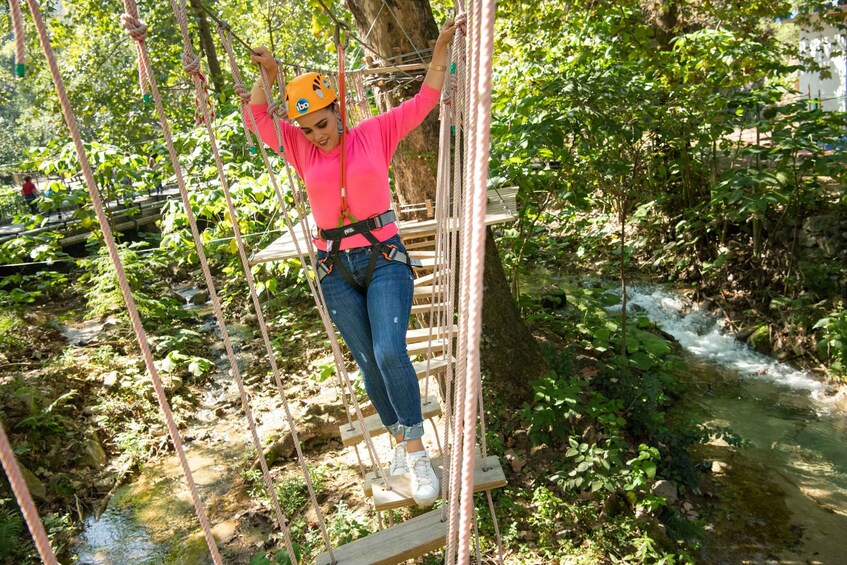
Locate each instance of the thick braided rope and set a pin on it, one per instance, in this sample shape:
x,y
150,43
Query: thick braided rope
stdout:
x,y
140,334
454,242
461,358
459,105
441,197
137,30
485,11
24,498
317,291
188,54
127,19
20,40
448,242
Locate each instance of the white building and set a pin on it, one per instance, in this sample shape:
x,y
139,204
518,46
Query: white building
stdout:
x,y
828,47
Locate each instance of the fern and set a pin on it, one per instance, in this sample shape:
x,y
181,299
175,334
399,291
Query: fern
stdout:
x,y
11,530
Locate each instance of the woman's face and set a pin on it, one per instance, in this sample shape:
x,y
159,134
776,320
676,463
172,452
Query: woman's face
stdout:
x,y
321,128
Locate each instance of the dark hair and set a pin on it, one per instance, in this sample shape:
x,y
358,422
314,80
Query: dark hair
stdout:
x,y
27,178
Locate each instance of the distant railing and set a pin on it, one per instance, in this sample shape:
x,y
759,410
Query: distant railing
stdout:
x,y
61,198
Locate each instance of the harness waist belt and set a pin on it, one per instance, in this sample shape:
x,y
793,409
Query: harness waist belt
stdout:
x,y
334,237
364,226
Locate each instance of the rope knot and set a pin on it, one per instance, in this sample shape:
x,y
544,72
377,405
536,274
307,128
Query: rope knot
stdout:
x,y
135,27
242,91
191,63
274,107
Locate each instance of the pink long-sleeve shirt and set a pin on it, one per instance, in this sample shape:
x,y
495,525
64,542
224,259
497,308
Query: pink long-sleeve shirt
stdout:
x,y
370,147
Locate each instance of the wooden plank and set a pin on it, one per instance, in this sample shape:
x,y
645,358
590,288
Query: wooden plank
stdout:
x,y
501,209
405,68
428,290
352,435
426,306
436,366
423,334
399,543
429,278
436,347
400,495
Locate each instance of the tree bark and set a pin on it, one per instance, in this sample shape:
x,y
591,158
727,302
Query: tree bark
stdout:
x,y
511,358
403,27
207,45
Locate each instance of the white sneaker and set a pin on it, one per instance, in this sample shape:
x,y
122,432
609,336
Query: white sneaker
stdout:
x,y
424,482
398,462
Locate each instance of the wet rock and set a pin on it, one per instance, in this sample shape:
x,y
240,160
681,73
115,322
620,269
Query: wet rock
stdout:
x,y
744,333
760,340
200,298
667,490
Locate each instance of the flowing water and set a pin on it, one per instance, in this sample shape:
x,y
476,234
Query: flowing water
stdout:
x,y
117,539
781,495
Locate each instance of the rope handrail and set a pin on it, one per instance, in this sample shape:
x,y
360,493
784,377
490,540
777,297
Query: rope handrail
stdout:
x,y
109,239
131,21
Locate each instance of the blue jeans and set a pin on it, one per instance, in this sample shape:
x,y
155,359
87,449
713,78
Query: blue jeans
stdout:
x,y
373,324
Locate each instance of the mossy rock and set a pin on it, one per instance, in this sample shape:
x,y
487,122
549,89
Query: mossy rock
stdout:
x,y
760,340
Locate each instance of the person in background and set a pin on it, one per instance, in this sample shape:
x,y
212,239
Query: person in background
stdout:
x,y
30,192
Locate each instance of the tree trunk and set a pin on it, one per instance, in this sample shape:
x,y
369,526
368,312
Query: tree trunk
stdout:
x,y
207,45
511,357
403,27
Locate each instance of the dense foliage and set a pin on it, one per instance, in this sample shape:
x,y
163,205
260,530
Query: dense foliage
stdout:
x,y
668,138
658,139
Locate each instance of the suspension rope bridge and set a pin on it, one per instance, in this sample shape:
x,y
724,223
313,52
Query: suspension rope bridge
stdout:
x,y
446,315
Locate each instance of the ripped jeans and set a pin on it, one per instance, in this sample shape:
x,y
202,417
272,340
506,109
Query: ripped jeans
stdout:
x,y
374,327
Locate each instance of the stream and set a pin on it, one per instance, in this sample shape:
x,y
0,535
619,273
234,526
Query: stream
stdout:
x,y
781,495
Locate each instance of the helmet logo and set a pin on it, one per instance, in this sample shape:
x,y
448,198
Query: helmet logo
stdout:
x,y
302,106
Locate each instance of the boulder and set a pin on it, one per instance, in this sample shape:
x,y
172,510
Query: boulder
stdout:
x,y
760,340
93,454
36,487
667,490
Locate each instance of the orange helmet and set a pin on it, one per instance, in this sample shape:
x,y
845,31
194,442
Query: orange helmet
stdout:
x,y
308,93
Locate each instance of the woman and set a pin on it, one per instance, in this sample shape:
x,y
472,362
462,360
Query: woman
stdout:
x,y
364,270
30,193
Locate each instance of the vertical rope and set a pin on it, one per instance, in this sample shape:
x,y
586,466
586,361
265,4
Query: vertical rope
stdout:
x,y
137,29
20,39
140,334
192,67
461,360
33,521
485,11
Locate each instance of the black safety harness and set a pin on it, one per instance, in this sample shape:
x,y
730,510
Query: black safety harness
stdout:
x,y
334,237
